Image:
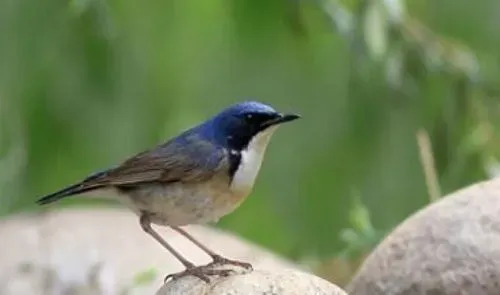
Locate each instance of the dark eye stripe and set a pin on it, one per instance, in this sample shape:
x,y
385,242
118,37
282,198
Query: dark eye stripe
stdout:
x,y
258,117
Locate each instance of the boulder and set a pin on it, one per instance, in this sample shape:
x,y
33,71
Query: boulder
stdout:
x,y
450,247
257,282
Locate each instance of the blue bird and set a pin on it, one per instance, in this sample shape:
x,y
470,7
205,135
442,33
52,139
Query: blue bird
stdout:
x,y
197,177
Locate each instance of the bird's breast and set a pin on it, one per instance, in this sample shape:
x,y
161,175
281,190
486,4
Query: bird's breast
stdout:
x,y
178,204
245,175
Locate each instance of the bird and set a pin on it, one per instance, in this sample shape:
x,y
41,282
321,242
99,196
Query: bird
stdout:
x,y
197,177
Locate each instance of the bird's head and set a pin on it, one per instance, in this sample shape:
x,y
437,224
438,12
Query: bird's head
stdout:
x,y
248,122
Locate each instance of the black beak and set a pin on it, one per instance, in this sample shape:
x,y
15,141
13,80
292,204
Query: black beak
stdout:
x,y
280,119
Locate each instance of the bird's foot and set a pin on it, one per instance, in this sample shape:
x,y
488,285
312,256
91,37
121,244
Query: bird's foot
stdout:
x,y
202,272
219,260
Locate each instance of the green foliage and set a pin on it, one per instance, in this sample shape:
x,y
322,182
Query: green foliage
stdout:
x,y
361,237
85,83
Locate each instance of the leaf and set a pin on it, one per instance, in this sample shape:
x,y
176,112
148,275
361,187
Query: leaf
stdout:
x,y
146,277
375,29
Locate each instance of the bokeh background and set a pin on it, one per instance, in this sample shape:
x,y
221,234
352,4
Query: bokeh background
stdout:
x,y
399,102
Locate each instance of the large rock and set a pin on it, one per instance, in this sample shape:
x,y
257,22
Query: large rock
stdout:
x,y
450,247
257,282
102,251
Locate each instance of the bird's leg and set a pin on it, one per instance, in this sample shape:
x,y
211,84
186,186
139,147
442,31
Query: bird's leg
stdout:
x,y
201,272
146,226
217,259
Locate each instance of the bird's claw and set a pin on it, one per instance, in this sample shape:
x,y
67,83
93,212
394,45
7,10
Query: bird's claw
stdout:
x,y
219,260
205,271
202,272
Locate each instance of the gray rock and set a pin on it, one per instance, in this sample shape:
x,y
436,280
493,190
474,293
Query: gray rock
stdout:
x,y
450,247
257,282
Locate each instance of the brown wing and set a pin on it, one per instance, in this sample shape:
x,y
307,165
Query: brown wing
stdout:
x,y
189,159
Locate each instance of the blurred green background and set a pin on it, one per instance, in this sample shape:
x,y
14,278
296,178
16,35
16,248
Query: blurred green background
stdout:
x,y
87,83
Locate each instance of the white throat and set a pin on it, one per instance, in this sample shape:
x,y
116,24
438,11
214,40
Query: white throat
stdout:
x,y
251,160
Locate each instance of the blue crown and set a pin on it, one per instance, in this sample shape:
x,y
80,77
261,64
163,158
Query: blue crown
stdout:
x,y
247,107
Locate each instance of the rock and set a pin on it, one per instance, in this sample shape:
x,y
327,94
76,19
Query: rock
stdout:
x,y
450,247
257,282
104,251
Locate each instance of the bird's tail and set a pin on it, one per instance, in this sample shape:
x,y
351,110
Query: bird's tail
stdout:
x,y
89,184
65,192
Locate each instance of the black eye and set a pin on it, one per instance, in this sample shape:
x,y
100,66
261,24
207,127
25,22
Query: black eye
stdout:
x,y
249,116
